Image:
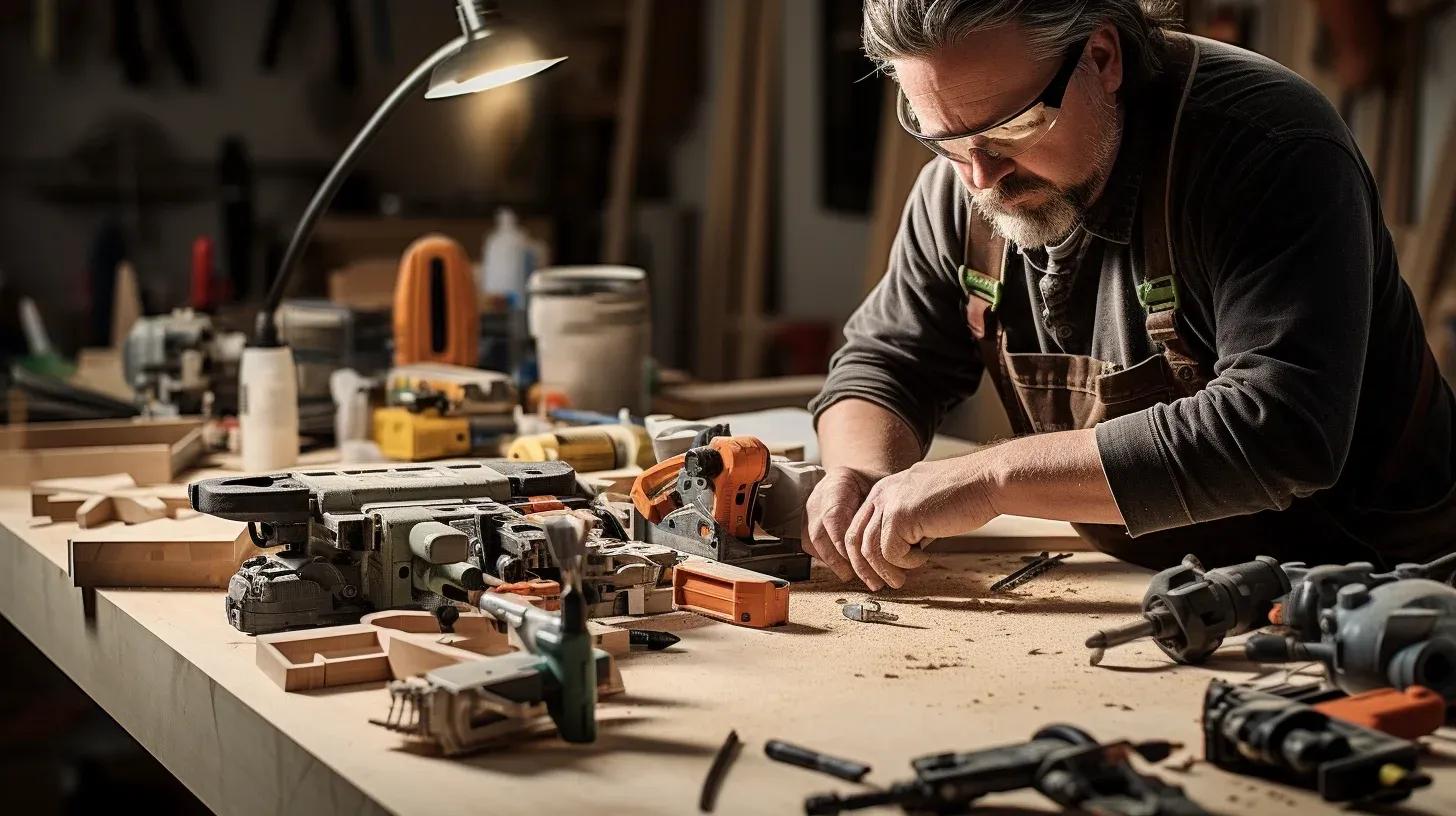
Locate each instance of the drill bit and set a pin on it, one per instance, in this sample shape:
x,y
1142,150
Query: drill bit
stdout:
x,y
654,640
1034,567
1155,623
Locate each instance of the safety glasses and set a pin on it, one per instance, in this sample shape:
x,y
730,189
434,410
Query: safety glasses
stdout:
x,y
1011,136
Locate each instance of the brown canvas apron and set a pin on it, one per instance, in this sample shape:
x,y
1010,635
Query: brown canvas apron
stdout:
x,y
1057,392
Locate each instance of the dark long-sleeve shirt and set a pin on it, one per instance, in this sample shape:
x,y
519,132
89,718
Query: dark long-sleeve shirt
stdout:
x,y
1288,283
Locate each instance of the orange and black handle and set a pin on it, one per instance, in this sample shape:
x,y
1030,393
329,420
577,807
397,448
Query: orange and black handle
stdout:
x,y
436,315
734,464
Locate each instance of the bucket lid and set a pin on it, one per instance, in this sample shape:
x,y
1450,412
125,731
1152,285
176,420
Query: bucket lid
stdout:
x,y
587,280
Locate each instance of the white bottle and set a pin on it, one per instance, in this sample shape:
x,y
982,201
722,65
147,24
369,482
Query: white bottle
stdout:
x,y
351,417
268,408
505,257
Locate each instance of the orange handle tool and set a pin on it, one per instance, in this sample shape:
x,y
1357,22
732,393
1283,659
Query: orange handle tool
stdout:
x,y
436,315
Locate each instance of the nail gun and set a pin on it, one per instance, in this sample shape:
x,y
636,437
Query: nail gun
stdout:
x,y
708,502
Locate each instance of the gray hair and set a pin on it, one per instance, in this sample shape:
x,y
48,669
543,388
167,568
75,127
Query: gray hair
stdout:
x,y
895,29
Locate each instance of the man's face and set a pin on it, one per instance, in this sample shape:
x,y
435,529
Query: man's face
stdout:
x,y
1037,197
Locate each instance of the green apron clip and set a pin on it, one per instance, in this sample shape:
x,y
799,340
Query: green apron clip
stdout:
x,y
1158,294
982,286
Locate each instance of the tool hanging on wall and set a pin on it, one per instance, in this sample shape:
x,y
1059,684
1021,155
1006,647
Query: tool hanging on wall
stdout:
x,y
346,52
436,316
130,44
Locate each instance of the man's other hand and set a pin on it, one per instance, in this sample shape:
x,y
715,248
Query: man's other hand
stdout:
x,y
904,511
828,514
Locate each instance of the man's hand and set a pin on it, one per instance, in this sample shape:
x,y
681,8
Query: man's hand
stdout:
x,y
829,511
906,510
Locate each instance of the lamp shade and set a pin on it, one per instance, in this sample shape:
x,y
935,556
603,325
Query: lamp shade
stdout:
x,y
492,57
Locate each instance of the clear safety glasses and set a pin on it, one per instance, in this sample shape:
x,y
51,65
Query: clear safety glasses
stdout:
x,y
1011,136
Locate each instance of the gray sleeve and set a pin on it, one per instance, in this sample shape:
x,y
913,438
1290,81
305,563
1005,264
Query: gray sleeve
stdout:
x,y
907,347
1288,246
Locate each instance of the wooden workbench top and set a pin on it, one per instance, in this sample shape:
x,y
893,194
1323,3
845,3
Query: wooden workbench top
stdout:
x,y
962,670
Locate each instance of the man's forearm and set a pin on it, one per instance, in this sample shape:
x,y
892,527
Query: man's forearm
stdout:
x,y
865,437
1052,476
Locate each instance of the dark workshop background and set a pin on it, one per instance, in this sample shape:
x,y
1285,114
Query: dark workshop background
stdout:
x,y
738,150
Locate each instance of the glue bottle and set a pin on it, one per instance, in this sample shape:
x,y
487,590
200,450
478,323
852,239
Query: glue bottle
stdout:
x,y
506,258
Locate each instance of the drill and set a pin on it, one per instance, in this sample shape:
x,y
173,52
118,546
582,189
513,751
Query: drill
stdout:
x,y
1395,635
1062,762
1314,589
1188,611
1248,731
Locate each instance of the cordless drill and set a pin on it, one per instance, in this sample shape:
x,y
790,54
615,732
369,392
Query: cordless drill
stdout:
x,y
1188,611
1060,761
1250,732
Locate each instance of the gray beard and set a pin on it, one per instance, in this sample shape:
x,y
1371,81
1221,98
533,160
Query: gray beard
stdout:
x,y
1052,221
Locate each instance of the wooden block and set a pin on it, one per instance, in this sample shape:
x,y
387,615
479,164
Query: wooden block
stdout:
x,y
474,633
610,639
323,658
199,552
730,594
1015,534
698,400
610,481
150,451
44,491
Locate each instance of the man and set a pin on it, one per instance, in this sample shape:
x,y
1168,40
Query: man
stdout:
x,y
1168,257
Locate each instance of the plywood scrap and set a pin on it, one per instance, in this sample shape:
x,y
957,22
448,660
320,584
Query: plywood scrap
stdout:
x,y
92,501
324,658
392,645
150,451
415,645
697,400
200,552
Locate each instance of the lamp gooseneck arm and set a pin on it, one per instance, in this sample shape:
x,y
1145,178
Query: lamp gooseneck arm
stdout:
x,y
266,331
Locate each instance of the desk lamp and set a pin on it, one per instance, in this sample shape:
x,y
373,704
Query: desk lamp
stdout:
x,y
490,52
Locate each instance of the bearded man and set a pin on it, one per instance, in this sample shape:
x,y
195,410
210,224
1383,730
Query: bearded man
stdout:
x,y
1168,257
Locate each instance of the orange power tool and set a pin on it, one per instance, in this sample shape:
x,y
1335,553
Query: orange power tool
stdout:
x,y
730,468
436,314
705,503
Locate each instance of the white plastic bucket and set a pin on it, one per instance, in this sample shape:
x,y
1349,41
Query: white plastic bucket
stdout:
x,y
593,330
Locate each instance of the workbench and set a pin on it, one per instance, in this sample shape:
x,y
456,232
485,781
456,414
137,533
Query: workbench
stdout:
x,y
962,669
